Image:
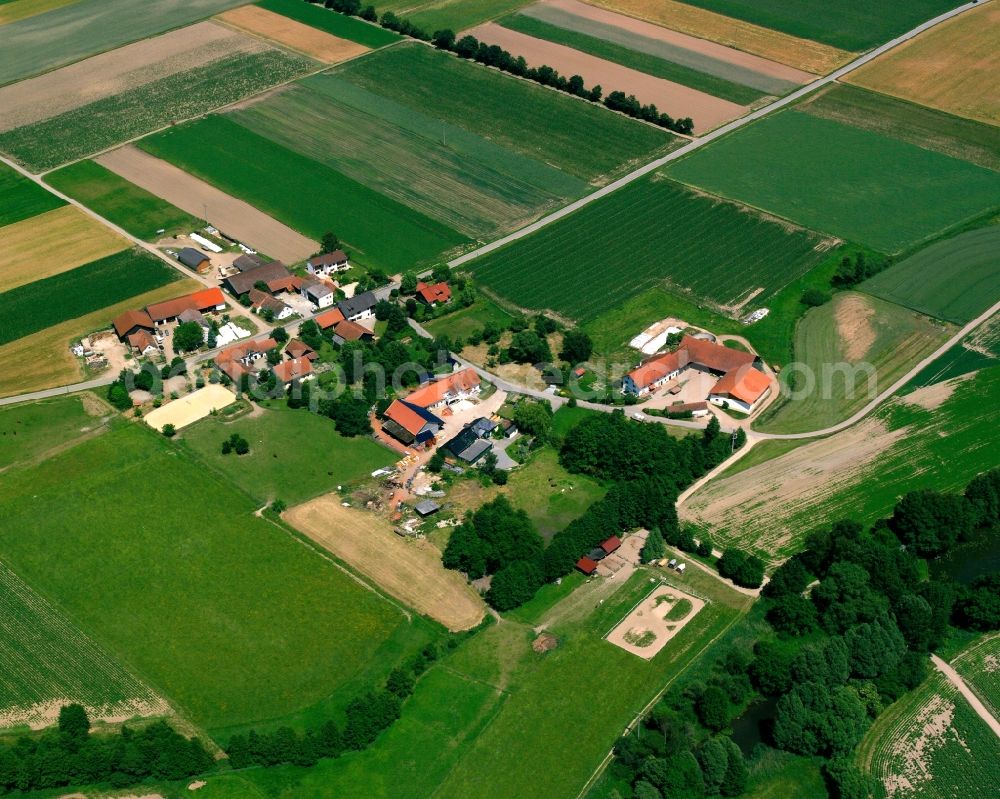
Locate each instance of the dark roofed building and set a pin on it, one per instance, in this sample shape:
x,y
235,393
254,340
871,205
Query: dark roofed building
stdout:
x,y
468,447
358,307
328,263
194,259
132,321
247,262
241,283
410,424
426,507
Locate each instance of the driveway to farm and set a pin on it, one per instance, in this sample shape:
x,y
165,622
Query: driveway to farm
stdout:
x,y
955,679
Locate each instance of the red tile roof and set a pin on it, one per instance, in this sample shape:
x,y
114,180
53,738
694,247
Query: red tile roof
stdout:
x,y
691,351
746,384
439,292
435,392
295,369
407,418
244,348
206,299
351,331
299,349
656,368
234,369
203,300
130,319
586,565
142,340
286,283
611,544
328,319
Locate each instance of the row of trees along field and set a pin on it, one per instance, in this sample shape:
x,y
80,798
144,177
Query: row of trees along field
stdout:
x,y
469,47
847,628
501,541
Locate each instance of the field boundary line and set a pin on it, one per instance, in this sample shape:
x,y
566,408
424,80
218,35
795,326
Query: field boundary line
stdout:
x,y
967,693
642,599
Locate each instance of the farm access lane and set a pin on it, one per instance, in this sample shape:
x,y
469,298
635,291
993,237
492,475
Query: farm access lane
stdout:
x,y
955,679
708,138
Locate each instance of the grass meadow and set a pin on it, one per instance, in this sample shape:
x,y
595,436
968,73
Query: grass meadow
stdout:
x,y
294,455
35,306
303,193
651,232
190,590
461,323
22,199
848,24
932,745
852,183
955,279
29,430
338,25
105,123
130,207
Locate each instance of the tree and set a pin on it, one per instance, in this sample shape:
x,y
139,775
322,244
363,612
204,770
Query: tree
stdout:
x,y
444,39
514,585
714,760
169,430
74,723
400,682
930,523
534,418
188,336
118,395
528,347
846,781
742,568
983,496
735,781
713,708
436,462
408,283
350,415
978,605
576,347
329,243
279,334
814,298
792,614
654,547
812,719
790,578
646,790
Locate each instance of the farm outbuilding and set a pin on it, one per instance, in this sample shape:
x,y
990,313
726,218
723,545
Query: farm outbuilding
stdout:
x,y
426,507
586,565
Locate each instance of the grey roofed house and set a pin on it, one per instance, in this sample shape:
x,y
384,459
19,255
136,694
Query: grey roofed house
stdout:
x,y
244,281
357,305
317,291
192,315
468,447
191,257
247,262
426,507
483,427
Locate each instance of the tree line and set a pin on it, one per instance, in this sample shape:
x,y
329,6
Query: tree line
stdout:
x,y
70,754
843,630
468,47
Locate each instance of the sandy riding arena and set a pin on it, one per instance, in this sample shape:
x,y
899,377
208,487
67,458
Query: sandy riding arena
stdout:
x,y
679,101
654,621
409,569
234,217
192,407
312,42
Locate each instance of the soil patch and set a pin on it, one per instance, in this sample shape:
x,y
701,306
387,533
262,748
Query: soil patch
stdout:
x,y
234,217
408,569
545,642
305,39
192,407
937,394
854,327
679,101
648,628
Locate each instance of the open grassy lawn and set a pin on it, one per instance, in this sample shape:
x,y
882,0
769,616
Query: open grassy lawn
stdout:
x,y
634,59
459,178
846,352
142,214
294,455
339,25
853,183
932,745
224,613
859,473
104,123
576,137
35,306
945,133
651,232
551,496
848,24
302,193
462,323
29,430
566,418
20,198
955,279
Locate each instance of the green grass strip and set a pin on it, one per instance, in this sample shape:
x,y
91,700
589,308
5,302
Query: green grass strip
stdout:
x,y
325,19
21,198
643,62
78,292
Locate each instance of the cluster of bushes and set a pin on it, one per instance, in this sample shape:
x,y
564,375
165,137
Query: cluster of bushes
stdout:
x,y
367,717
469,47
71,755
850,271
741,567
235,443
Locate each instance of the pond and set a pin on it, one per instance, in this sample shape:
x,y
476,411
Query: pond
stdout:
x,y
753,727
968,561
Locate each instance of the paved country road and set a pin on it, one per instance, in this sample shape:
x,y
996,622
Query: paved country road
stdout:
x,y
956,679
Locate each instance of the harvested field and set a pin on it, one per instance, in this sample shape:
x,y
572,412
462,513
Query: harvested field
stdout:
x,y
410,570
859,473
53,242
21,198
294,35
679,101
48,662
952,67
925,127
191,407
710,57
340,25
770,44
43,359
651,624
22,9
117,71
234,217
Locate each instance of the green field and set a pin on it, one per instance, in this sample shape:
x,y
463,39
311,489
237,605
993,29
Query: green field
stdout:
x,y
933,743
846,353
339,25
551,496
577,138
86,27
462,323
29,430
294,455
458,178
650,232
104,123
20,198
925,127
302,193
77,292
979,350
47,659
634,59
848,24
132,208
955,279
979,666
225,614
853,183
458,15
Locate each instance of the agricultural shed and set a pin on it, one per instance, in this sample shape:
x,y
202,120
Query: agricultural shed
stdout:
x,y
426,507
132,321
240,284
194,259
611,544
586,565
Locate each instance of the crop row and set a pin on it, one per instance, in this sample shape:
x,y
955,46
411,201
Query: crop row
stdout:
x,y
980,668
